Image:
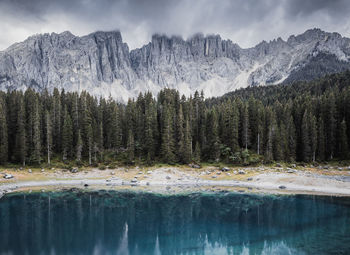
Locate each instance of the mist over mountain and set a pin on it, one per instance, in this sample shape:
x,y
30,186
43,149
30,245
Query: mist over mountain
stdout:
x,y
102,64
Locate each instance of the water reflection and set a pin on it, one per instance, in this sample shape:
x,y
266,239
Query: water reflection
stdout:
x,y
143,223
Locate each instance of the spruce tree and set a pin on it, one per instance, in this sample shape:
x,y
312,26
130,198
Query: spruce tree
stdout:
x,y
188,143
20,136
3,133
321,140
48,127
313,136
79,146
131,147
36,151
197,153
291,140
305,137
67,135
343,146
167,148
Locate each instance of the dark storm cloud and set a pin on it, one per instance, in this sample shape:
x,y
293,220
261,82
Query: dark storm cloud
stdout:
x,y
243,21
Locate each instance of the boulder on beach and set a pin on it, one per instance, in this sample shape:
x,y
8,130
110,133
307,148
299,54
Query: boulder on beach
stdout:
x,y
194,166
74,170
8,176
282,187
241,171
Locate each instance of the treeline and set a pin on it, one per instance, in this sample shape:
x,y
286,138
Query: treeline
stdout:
x,y
301,122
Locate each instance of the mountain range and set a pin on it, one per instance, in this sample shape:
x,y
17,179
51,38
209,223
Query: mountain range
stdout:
x,y
102,64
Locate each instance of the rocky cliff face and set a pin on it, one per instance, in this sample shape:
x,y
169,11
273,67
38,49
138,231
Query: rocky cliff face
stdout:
x,y
103,65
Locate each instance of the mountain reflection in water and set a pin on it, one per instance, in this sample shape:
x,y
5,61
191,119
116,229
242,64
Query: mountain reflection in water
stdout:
x,y
125,222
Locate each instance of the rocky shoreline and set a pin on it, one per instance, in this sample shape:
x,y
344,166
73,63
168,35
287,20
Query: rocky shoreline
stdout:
x,y
174,179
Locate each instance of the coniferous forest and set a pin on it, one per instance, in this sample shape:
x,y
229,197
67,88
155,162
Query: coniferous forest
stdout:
x,y
303,121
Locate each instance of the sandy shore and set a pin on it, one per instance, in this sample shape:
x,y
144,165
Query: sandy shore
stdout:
x,y
175,179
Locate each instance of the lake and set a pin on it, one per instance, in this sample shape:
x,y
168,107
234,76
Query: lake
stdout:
x,y
131,222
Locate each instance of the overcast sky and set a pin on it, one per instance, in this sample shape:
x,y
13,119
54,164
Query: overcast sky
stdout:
x,y
246,22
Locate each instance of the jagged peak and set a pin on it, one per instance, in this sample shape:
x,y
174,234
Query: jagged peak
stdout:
x,y
102,35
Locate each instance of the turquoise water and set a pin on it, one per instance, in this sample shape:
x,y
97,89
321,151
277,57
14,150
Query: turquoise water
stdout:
x,y
122,222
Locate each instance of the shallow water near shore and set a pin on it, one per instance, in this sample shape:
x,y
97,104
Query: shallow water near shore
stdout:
x,y
135,222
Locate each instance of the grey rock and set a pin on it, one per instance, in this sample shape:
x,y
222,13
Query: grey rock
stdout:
x,y
290,171
214,176
241,171
112,173
225,169
8,176
42,170
102,63
282,187
293,165
194,166
74,170
168,177
30,171
249,179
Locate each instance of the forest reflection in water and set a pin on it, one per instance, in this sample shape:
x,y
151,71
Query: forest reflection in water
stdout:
x,y
125,222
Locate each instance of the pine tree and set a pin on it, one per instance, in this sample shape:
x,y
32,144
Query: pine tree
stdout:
x,y
20,135
79,146
36,153
270,135
343,147
214,142
291,140
150,118
197,153
167,148
67,135
181,144
188,143
321,140
245,127
131,147
57,109
3,133
313,136
48,127
305,137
